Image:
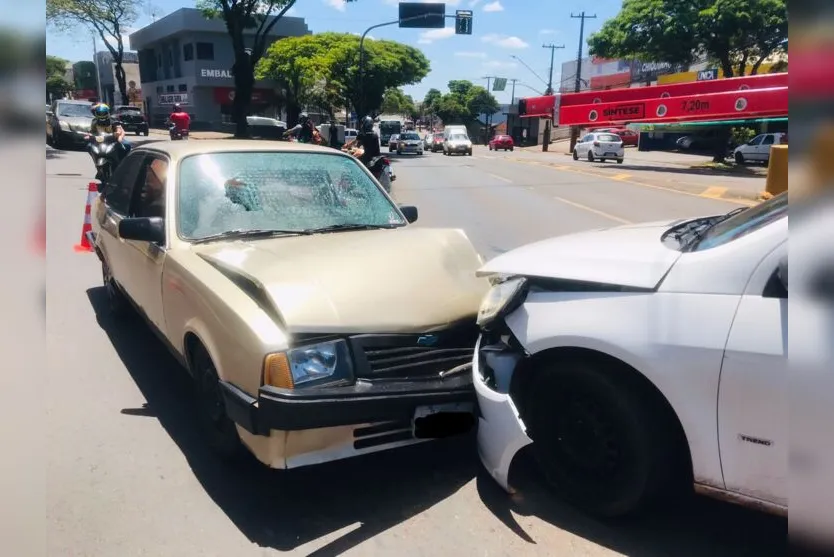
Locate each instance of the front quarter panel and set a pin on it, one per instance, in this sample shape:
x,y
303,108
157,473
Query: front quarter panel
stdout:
x,y
237,333
675,340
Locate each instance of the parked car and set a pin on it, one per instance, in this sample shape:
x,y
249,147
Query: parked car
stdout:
x,y
437,142
629,137
392,142
259,264
131,119
409,142
457,143
758,148
427,141
262,127
504,142
69,123
602,146
642,358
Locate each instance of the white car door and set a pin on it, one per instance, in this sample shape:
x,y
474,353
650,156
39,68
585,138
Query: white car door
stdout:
x,y
763,149
752,398
750,150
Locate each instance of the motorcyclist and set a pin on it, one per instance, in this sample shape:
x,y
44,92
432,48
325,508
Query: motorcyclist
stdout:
x,y
367,140
103,123
178,119
303,131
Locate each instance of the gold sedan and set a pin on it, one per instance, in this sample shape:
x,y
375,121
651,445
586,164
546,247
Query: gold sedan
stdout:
x,y
317,323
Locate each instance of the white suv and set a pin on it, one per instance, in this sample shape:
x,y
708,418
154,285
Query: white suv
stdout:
x,y
600,146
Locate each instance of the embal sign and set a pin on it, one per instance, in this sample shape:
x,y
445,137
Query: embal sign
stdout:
x,y
222,74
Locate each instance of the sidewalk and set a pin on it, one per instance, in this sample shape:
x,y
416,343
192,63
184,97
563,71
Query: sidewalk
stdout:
x,y
194,134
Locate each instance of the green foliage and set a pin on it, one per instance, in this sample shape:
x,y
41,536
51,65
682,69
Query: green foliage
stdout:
x,y
56,82
735,33
464,103
741,135
396,102
431,99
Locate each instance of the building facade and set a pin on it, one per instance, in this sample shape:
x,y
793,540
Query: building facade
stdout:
x,y
107,75
187,59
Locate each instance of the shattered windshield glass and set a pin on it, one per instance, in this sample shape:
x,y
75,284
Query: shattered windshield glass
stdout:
x,y
240,191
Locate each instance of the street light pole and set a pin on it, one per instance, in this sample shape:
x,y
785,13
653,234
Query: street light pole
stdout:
x,y
549,122
574,132
486,115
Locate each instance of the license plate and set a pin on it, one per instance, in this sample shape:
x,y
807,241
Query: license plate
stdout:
x,y
611,153
453,407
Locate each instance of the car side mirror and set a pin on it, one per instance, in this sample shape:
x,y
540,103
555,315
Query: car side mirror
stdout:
x,y
782,272
143,229
409,212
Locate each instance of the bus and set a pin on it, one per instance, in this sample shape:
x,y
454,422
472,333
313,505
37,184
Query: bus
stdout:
x,y
387,128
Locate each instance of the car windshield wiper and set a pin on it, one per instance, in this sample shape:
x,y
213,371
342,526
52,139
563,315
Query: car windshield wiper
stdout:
x,y
249,233
697,232
340,227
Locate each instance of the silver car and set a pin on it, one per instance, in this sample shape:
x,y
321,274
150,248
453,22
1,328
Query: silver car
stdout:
x,y
409,142
600,146
392,142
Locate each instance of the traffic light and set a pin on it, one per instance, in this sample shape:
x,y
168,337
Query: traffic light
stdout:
x,y
463,22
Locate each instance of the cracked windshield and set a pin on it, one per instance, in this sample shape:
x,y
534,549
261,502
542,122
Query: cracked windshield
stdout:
x,y
223,192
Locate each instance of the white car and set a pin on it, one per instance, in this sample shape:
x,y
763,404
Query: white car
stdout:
x,y
409,142
601,146
457,143
641,358
758,148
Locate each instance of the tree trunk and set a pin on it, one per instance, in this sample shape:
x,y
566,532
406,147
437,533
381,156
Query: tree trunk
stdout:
x,y
293,110
121,81
244,85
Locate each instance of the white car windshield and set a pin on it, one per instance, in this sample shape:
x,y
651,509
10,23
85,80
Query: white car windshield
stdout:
x,y
744,222
458,137
608,137
230,192
410,137
75,110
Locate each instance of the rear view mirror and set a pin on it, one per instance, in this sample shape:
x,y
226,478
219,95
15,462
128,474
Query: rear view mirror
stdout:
x,y
143,229
409,212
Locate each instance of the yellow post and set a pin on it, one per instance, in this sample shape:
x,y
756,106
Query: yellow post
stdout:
x,y
777,170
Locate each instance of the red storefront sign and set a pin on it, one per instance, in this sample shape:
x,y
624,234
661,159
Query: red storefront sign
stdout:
x,y
226,95
727,105
539,107
622,79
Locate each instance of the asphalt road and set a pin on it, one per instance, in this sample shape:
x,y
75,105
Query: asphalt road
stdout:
x,y
128,474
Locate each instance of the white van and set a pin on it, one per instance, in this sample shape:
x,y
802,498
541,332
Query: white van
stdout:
x,y
449,130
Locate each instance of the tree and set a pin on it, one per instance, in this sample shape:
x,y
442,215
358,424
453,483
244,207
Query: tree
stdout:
x,y
300,65
107,18
258,17
388,64
464,103
396,102
431,98
56,82
734,33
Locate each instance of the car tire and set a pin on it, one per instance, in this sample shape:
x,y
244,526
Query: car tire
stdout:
x,y
739,159
399,152
603,444
590,156
511,149
619,161
575,155
117,303
602,160
469,152
220,431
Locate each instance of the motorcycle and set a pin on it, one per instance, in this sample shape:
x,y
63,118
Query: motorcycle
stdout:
x,y
176,133
102,148
380,167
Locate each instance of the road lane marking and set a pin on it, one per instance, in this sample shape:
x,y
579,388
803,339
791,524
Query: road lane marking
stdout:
x,y
714,192
620,176
592,210
497,177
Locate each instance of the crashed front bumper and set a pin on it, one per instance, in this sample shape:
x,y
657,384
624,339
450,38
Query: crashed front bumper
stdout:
x,y
501,431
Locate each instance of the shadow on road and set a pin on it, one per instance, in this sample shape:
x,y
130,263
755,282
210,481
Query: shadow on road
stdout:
x,y
285,509
694,528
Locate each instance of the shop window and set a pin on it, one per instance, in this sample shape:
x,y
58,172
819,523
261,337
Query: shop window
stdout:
x,y
182,88
159,60
188,52
205,51
159,89
169,89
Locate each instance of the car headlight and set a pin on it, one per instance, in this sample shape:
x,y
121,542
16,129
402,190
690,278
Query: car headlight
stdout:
x,y
324,362
502,299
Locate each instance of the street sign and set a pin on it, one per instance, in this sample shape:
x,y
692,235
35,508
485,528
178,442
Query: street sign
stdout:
x,y
463,23
422,15
499,84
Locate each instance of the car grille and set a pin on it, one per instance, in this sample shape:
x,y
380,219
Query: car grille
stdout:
x,y
403,357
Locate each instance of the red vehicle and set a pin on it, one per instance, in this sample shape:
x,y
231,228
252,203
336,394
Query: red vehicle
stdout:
x,y
628,136
437,142
504,142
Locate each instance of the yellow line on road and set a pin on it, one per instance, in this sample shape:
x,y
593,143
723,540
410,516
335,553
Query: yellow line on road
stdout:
x,y
497,177
592,210
714,192
620,176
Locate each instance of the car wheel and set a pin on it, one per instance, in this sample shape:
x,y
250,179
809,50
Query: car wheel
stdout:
x,y
604,445
739,158
399,152
469,152
220,431
117,303
146,133
590,156
602,160
137,133
575,155
619,161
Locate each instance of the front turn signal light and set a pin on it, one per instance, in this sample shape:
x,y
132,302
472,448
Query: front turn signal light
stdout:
x,y
277,371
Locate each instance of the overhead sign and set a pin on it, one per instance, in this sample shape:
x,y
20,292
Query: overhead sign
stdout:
x,y
463,22
173,98
649,71
422,15
707,75
223,74
499,84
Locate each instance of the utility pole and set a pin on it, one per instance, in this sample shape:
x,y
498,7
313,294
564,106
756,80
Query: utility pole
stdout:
x,y
549,91
510,111
95,64
489,79
574,132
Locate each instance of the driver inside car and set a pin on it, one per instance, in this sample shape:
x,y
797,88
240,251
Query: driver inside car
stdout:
x,y
153,194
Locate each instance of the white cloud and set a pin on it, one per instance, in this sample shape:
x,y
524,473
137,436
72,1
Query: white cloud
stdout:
x,y
465,54
506,42
339,5
427,37
494,7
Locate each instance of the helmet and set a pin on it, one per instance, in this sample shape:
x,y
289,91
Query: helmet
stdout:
x,y
177,108
101,112
303,118
367,125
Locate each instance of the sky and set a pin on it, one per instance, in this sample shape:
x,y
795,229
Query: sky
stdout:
x,y
501,29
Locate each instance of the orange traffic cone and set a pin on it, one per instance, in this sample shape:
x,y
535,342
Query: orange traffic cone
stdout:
x,y
84,245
